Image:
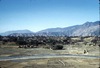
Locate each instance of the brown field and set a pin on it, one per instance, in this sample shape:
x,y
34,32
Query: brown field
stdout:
x,y
52,63
12,50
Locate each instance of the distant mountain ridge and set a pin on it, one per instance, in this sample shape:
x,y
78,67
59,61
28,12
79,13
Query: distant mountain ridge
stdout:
x,y
86,29
15,31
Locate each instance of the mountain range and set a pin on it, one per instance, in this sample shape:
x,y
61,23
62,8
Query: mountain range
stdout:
x,y
86,29
16,32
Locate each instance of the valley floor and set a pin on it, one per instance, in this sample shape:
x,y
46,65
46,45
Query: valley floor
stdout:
x,y
52,63
61,62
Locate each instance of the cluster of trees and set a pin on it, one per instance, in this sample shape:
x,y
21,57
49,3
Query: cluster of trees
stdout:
x,y
53,42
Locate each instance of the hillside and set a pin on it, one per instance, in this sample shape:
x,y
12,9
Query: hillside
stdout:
x,y
16,32
86,29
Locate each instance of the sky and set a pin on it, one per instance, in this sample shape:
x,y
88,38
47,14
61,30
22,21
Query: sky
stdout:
x,y
36,15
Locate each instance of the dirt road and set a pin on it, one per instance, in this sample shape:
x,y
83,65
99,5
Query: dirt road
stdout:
x,y
41,56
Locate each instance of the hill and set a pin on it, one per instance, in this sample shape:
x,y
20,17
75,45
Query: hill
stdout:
x,y
86,29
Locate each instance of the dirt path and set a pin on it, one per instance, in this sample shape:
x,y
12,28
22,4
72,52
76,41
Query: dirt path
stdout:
x,y
41,56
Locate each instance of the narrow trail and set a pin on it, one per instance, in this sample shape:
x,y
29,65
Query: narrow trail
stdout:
x,y
42,56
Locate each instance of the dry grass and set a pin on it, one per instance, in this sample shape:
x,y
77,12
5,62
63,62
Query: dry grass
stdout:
x,y
52,63
7,50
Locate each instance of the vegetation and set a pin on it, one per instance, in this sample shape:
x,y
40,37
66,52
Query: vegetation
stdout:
x,y
54,42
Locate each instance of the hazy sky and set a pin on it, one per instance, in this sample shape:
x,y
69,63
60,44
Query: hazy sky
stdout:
x,y
37,15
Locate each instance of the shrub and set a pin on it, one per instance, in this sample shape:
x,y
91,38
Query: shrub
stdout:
x,y
57,47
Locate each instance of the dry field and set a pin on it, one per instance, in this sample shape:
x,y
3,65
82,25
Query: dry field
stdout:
x,y
52,63
69,62
12,50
